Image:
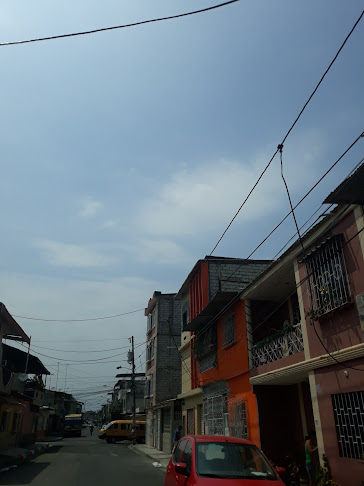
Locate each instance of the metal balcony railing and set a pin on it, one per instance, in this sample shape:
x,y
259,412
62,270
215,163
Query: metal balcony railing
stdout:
x,y
289,341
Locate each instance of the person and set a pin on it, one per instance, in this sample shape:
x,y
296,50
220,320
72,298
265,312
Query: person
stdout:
x,y
91,428
176,436
310,449
133,435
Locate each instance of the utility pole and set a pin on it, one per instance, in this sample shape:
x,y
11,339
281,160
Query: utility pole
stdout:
x,y
65,380
27,361
133,381
57,376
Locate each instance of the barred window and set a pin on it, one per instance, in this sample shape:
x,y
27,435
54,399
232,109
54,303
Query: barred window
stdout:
x,y
349,421
208,362
228,331
327,283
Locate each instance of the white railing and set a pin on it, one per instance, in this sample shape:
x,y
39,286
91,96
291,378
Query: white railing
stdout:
x,y
272,349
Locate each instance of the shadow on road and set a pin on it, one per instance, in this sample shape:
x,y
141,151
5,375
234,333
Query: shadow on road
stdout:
x,y
25,474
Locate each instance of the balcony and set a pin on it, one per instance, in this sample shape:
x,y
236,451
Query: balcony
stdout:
x,y
282,343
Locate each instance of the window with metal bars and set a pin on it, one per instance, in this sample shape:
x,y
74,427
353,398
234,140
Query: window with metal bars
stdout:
x,y
349,421
327,282
228,331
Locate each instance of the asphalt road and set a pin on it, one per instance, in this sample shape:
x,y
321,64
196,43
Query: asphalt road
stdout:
x,y
86,461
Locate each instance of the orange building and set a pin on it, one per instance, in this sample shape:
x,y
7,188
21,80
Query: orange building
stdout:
x,y
218,361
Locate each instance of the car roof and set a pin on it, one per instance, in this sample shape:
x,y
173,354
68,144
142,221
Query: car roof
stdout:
x,y
218,438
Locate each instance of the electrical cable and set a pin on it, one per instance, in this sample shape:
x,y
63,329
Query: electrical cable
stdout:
x,y
290,129
94,31
89,351
79,320
300,202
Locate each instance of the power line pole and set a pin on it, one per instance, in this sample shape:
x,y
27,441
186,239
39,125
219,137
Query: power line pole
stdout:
x,y
133,381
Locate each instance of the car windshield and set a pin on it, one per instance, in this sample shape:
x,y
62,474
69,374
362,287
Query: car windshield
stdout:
x,y
232,460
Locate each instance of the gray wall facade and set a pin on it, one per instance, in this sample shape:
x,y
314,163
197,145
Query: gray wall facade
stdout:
x,y
167,357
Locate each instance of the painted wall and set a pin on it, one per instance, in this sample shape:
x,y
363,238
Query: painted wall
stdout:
x,y
233,366
329,381
341,328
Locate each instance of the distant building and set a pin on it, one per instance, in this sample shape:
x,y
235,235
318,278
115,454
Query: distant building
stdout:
x,y
163,369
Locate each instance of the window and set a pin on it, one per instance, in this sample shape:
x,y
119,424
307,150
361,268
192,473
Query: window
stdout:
x,y
327,283
151,321
228,331
178,450
238,423
231,460
187,456
349,421
149,386
4,421
150,350
16,422
208,362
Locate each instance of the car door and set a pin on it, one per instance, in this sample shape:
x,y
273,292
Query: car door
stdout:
x,y
171,475
187,459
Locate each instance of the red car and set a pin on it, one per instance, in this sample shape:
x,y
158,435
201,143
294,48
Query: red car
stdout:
x,y
206,460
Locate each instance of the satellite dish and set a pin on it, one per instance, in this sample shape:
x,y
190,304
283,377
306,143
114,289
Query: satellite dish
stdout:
x,y
22,377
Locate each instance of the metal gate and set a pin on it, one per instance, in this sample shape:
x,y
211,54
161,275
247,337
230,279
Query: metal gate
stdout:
x,y
215,409
238,424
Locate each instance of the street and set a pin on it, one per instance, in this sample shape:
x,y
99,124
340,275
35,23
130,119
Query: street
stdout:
x,y
86,461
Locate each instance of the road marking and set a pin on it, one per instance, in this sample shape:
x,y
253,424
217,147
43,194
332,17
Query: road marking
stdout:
x,y
115,455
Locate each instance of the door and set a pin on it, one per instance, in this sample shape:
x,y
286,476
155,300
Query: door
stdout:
x,y
172,478
187,459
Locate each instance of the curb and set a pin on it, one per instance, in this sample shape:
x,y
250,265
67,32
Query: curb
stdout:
x,y
26,456
149,456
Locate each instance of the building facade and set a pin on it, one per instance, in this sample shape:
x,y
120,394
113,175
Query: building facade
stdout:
x,y
163,369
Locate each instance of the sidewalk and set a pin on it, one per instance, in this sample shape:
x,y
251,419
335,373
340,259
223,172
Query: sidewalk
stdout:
x,y
159,458
15,457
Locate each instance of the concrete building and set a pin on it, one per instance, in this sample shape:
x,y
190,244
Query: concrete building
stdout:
x,y
305,322
163,369
215,373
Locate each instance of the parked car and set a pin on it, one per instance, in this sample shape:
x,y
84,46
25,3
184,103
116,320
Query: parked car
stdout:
x,y
203,460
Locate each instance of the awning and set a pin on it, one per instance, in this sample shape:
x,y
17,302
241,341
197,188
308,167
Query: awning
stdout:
x,y
12,329
216,304
17,360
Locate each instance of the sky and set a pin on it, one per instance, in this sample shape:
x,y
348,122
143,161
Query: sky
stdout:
x,y
125,154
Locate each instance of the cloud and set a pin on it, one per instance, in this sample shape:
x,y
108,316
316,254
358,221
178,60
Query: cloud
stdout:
x,y
90,208
159,251
110,223
70,255
204,198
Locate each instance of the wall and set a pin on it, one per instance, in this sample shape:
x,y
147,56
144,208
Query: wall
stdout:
x,y
329,381
232,366
245,271
199,291
341,328
168,359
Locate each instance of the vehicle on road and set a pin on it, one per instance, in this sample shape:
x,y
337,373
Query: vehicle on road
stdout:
x,y
204,460
73,425
121,430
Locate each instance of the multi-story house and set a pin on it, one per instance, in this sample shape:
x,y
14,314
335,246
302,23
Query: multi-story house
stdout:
x,y
217,396
125,394
305,327
163,369
21,397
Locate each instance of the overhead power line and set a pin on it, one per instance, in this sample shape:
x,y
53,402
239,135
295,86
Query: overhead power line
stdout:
x,y
103,29
79,320
289,131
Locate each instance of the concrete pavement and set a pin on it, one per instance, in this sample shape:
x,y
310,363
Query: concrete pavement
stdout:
x,y
86,461
153,454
